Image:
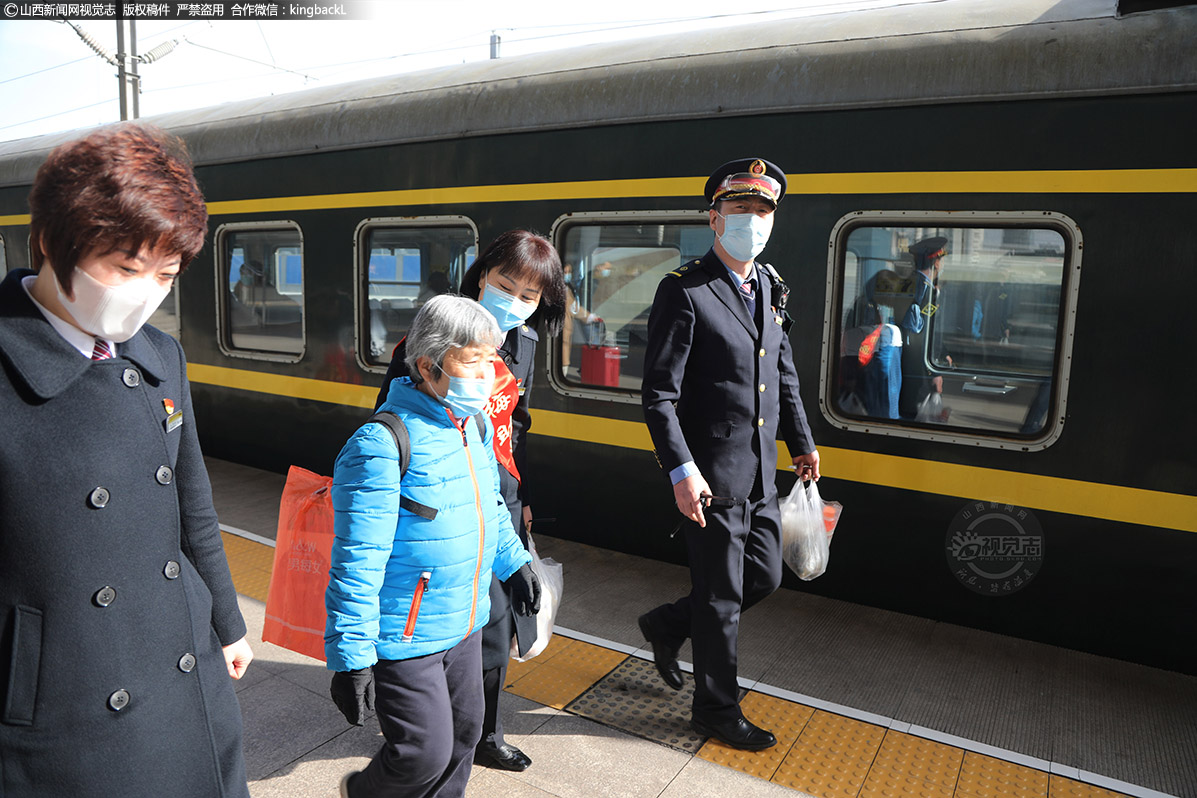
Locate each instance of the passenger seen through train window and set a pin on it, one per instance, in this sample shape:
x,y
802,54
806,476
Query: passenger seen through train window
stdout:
x,y
978,325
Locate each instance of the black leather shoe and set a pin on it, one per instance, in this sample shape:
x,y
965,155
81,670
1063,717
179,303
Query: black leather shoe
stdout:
x,y
505,757
664,656
738,733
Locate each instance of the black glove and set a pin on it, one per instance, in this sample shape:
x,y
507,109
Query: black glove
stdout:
x,y
353,693
525,591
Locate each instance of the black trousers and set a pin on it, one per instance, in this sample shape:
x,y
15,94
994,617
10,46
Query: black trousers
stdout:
x,y
430,710
496,645
735,562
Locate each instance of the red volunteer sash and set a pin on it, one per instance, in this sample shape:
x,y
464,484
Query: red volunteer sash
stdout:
x,y
502,402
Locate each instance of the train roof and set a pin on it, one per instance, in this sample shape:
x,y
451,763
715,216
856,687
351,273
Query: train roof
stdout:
x,y
936,52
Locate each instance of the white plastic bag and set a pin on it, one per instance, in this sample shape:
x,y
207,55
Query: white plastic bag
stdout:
x,y
549,572
807,524
931,411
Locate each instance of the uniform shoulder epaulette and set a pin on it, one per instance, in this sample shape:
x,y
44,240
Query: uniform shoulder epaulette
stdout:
x,y
529,332
682,270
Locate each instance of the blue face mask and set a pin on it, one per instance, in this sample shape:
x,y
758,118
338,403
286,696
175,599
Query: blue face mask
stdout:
x,y
508,311
745,234
467,395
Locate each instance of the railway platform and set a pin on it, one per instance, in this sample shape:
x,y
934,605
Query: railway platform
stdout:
x,y
864,702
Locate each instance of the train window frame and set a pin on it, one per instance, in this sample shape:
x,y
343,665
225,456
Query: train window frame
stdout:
x,y
3,257
832,334
223,332
361,269
561,226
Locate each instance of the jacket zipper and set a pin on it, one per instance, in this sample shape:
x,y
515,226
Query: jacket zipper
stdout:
x,y
481,528
410,630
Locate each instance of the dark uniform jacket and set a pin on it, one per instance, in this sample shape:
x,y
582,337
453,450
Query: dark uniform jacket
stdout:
x,y
519,353
115,595
716,388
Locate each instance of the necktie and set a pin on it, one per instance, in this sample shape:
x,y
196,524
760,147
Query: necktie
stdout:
x,y
748,292
101,352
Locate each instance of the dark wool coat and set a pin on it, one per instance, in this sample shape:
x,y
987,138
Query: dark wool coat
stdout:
x,y
719,385
115,595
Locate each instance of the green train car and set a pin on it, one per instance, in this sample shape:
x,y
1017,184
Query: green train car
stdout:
x,y
1052,495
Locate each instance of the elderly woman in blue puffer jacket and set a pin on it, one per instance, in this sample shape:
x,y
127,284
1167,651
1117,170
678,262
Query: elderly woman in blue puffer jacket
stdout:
x,y
412,560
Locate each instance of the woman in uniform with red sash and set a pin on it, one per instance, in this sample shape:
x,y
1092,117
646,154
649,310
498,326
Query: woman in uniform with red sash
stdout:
x,y
519,280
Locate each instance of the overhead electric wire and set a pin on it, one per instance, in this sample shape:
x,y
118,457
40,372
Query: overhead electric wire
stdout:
x,y
60,113
47,69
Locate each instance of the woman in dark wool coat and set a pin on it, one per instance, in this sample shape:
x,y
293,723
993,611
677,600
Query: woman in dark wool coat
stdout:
x,y
120,634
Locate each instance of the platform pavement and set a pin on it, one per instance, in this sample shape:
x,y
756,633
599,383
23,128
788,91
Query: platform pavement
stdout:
x,y
297,745
1074,717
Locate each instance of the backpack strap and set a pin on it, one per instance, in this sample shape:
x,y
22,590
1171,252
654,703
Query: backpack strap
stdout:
x,y
398,431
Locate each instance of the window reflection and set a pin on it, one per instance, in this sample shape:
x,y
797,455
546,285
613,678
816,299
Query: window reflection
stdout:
x,y
951,326
403,267
612,271
263,270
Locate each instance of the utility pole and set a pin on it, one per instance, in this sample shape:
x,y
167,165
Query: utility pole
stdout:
x,y
126,56
126,61
494,45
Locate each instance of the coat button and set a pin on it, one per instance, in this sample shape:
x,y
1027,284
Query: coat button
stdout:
x,y
171,570
131,378
762,353
118,700
164,475
762,387
104,596
187,663
98,498
760,422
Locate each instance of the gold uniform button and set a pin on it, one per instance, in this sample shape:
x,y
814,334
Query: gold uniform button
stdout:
x,y
762,353
760,422
762,387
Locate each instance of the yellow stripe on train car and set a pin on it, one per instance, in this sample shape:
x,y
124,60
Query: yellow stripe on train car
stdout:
x,y
1048,181
976,483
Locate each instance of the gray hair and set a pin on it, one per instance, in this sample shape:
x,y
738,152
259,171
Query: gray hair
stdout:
x,y
448,322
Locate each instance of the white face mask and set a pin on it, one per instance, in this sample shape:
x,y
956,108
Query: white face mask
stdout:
x,y
115,312
745,234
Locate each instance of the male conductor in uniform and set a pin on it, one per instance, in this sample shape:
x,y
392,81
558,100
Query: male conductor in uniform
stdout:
x,y
719,382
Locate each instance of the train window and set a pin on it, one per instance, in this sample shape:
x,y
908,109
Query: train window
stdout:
x,y
613,263
402,263
260,285
955,329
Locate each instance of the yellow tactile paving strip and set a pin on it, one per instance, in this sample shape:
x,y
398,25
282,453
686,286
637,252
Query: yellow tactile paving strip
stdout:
x,y
911,766
250,563
784,718
817,752
568,669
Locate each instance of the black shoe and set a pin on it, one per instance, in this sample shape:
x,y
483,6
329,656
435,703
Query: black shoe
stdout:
x,y
738,733
664,656
505,757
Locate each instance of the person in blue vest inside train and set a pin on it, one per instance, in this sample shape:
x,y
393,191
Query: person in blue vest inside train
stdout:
x,y
719,383
412,558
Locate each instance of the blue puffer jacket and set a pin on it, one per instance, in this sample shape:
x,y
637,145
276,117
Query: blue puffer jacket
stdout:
x,y
400,585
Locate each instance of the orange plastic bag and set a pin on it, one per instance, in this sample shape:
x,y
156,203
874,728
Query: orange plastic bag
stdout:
x,y
295,613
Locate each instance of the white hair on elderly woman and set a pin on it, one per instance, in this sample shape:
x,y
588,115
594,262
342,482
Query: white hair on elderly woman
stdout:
x,y
445,323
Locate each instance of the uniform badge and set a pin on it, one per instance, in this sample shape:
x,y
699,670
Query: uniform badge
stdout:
x,y
757,167
174,421
169,405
